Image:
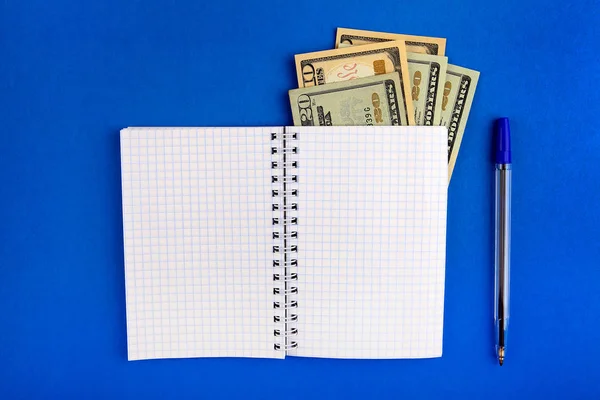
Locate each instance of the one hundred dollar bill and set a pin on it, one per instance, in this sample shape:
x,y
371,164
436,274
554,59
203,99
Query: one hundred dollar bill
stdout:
x,y
457,98
366,101
427,78
329,66
414,44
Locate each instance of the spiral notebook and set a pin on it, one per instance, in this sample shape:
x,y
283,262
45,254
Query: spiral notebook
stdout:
x,y
299,241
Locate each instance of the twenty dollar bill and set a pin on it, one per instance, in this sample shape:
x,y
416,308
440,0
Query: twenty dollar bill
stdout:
x,y
457,98
414,44
365,101
324,67
427,78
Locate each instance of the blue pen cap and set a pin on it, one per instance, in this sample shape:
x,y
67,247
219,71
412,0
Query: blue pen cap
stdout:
x,y
502,154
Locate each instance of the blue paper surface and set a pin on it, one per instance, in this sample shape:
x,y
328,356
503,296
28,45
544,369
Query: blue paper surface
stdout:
x,y
73,73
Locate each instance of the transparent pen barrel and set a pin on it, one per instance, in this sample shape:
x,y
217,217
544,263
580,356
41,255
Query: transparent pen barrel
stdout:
x,y
503,210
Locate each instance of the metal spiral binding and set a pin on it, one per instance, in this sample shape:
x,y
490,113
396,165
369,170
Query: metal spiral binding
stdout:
x,y
285,265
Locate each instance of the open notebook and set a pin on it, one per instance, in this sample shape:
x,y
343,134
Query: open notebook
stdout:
x,y
301,241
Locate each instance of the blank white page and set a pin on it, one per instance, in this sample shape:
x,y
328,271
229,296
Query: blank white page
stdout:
x,y
371,241
198,242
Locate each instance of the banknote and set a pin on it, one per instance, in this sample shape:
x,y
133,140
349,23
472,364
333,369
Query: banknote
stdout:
x,y
366,101
329,66
427,78
414,44
457,98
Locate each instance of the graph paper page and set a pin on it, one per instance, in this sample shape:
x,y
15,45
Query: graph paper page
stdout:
x,y
371,241
198,242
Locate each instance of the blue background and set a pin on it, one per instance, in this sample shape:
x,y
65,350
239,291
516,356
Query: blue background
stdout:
x,y
73,73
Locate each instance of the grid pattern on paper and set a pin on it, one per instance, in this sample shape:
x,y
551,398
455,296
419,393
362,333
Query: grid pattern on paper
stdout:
x,y
198,242
372,234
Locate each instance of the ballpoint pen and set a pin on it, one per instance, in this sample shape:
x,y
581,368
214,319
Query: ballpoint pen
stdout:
x,y
503,160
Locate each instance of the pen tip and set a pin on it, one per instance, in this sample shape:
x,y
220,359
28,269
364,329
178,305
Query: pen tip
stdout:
x,y
501,356
501,361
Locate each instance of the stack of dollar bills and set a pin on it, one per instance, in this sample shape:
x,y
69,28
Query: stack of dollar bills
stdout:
x,y
376,78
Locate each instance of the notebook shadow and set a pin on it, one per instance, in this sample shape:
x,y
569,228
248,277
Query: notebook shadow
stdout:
x,y
117,265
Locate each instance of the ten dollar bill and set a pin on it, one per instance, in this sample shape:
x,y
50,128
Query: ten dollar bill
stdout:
x,y
322,67
414,44
427,78
457,98
365,101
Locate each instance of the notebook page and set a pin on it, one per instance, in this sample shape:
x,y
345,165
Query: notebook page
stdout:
x,y
371,245
198,242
